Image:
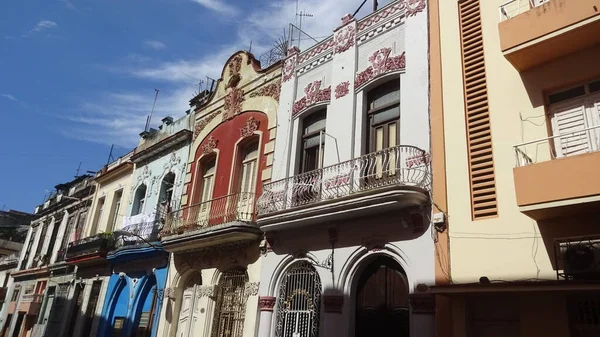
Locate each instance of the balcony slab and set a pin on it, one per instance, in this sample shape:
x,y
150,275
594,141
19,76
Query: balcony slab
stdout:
x,y
211,236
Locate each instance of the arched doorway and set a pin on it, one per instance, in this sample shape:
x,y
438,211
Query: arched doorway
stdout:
x,y
189,308
382,300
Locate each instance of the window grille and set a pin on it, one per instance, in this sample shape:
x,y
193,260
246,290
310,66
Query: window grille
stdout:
x,y
298,304
231,304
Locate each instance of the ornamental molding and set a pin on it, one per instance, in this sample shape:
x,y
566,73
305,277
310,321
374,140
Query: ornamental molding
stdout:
x,y
384,14
142,178
381,63
204,122
233,103
235,65
289,67
342,89
224,254
169,293
266,303
251,288
270,90
344,39
210,145
316,50
206,291
422,304
333,303
173,161
313,95
250,127
414,7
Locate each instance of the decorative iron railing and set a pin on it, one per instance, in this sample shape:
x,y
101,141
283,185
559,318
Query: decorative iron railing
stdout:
x,y
399,165
232,207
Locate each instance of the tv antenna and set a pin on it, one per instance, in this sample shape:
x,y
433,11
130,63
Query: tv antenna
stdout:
x,y
299,16
78,168
110,156
151,111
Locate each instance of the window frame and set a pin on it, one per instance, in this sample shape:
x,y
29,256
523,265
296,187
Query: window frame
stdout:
x,y
313,118
382,89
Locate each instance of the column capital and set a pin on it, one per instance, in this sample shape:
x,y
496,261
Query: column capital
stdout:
x,y
266,303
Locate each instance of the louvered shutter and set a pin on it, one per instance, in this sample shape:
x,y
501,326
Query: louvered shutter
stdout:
x,y
594,121
479,136
568,123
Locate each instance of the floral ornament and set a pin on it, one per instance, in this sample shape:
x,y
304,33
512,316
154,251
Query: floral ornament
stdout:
x,y
347,18
289,67
314,94
235,65
233,103
341,89
210,145
248,129
251,289
272,90
344,39
204,122
381,63
414,6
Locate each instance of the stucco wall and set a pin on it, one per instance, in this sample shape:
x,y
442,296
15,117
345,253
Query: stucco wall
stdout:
x,y
107,191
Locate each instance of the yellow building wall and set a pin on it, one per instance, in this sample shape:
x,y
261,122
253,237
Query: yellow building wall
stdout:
x,y
509,246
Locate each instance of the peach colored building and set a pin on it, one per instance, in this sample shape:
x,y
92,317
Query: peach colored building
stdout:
x,y
517,85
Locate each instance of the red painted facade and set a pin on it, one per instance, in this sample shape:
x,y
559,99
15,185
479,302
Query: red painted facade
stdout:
x,y
230,142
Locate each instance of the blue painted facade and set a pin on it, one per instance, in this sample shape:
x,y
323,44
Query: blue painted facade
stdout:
x,y
138,273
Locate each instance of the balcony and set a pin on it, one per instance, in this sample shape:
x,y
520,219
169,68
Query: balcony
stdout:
x,y
533,32
393,179
89,250
9,261
556,176
221,220
30,303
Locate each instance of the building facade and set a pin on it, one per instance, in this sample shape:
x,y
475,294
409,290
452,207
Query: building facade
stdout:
x,y
139,263
89,253
44,288
215,267
346,212
521,111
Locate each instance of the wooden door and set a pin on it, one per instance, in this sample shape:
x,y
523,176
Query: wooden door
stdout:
x,y
382,301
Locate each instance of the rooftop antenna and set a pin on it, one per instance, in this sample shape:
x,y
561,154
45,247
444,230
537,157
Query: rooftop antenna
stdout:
x,y
301,15
151,111
250,49
110,156
78,168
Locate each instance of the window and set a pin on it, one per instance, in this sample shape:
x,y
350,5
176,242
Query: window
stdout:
x,y
29,289
116,208
139,199
584,314
15,294
299,302
38,251
231,304
80,225
208,180
383,112
313,142
98,217
166,194
248,169
91,307
575,116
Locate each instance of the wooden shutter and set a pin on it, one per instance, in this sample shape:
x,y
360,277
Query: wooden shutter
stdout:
x,y
568,122
479,137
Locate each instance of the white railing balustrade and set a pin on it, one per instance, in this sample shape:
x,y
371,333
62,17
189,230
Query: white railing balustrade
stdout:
x,y
559,146
513,8
399,165
229,208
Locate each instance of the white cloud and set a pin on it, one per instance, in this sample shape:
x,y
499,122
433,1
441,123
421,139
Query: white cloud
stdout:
x,y
43,25
155,44
69,5
9,97
218,6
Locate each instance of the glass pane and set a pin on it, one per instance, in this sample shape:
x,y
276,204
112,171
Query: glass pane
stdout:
x,y
316,125
387,114
313,141
379,138
209,168
385,94
310,159
251,152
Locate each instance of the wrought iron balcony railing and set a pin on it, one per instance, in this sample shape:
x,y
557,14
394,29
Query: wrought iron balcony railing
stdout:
x,y
399,165
229,208
98,244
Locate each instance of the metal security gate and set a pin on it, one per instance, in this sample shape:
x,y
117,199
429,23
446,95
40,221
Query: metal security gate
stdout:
x,y
231,304
298,304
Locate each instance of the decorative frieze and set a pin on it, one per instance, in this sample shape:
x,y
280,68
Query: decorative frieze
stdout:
x,y
381,63
266,303
271,90
413,7
344,39
342,89
249,128
204,122
290,66
313,95
206,291
233,103
251,289
210,145
316,50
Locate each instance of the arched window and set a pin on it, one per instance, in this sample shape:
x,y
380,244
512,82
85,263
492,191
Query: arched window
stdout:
x,y
383,115
166,194
313,142
248,168
299,302
207,179
231,304
139,200
382,300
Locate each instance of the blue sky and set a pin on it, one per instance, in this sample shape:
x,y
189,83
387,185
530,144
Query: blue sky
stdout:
x,y
79,75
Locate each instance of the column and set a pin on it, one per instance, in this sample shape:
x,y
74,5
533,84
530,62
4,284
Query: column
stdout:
x,y
265,305
422,315
333,305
